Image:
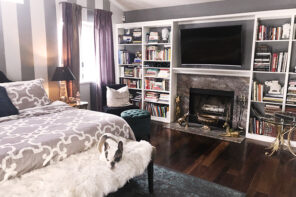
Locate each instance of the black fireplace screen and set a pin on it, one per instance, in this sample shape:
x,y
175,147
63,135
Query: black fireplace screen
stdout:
x,y
211,107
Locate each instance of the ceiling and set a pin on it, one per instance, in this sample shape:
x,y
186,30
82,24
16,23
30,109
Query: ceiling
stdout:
x,y
128,5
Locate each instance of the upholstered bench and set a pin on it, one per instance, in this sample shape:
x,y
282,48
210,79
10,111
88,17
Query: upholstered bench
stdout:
x,y
84,174
139,121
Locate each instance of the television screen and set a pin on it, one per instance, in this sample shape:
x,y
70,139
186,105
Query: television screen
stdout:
x,y
211,46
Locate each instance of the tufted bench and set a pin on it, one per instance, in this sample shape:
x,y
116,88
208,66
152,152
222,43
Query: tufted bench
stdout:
x,y
139,121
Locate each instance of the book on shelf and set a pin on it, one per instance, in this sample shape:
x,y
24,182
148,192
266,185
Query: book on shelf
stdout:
x,y
156,97
154,72
132,83
157,84
125,57
261,127
157,110
156,53
270,110
291,94
269,33
131,72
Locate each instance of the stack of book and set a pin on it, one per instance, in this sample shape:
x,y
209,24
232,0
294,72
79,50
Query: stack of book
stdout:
x,y
291,109
164,73
270,110
164,97
151,96
136,98
291,95
157,110
161,85
132,72
125,57
278,98
279,62
151,72
154,53
131,83
269,33
262,61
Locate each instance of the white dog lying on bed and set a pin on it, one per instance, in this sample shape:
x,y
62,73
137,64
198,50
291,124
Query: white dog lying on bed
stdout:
x,y
113,149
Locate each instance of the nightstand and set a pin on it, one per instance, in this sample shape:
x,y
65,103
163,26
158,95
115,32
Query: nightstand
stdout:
x,y
80,105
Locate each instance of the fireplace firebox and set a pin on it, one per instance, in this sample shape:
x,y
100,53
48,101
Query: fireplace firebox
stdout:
x,y
211,107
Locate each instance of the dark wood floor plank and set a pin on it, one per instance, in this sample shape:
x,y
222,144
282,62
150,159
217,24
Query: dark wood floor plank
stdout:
x,y
243,167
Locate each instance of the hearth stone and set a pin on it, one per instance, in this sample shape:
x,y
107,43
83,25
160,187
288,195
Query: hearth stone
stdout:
x,y
196,129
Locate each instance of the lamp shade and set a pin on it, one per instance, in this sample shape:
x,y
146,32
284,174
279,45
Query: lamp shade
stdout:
x,y
63,74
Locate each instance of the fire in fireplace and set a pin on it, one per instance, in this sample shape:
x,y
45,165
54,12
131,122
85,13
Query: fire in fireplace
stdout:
x,y
211,107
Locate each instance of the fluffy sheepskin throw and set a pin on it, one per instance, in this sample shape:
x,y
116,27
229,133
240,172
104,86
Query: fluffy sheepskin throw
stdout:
x,y
81,175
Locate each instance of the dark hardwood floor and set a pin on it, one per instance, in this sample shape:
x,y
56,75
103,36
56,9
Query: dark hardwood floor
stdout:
x,y
243,167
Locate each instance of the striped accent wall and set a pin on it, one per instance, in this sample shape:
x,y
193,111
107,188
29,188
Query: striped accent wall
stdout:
x,y
29,42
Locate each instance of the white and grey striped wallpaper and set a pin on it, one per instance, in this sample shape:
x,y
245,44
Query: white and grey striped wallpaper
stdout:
x,y
29,44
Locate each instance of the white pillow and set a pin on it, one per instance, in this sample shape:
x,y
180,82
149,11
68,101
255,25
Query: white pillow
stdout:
x,y
118,98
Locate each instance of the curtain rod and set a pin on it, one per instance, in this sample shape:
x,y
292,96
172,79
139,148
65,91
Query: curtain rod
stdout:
x,y
83,6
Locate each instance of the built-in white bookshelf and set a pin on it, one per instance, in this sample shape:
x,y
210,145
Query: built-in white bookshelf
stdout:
x,y
273,18
161,110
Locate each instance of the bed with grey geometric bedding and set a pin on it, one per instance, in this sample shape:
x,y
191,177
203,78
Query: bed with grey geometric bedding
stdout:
x,y
38,136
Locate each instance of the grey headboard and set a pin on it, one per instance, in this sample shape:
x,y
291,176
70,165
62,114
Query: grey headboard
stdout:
x,y
3,78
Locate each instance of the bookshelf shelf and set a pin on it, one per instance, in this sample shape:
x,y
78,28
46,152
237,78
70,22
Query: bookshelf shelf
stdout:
x,y
268,72
169,44
137,78
157,68
264,41
129,44
157,61
292,73
265,102
157,102
129,64
157,77
160,91
160,119
135,88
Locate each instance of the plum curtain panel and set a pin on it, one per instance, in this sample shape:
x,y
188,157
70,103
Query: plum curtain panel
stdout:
x,y
72,20
104,56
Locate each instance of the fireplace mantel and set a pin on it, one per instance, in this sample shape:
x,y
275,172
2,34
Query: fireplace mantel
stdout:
x,y
215,72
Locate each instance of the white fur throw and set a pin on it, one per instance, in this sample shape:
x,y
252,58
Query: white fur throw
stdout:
x,y
81,175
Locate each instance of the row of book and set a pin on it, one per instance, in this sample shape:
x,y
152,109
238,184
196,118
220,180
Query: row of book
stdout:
x,y
160,73
270,33
291,95
157,64
156,97
157,109
132,83
275,62
270,110
131,72
155,53
262,128
259,95
157,84
125,57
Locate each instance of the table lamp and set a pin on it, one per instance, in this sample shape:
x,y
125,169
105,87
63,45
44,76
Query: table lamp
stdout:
x,y
66,75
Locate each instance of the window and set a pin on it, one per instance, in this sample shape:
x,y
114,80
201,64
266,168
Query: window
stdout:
x,y
88,69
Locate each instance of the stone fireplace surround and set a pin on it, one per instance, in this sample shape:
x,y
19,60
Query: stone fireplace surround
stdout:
x,y
240,86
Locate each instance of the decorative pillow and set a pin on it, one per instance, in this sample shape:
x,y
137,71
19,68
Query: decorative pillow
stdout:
x,y
118,98
6,106
27,94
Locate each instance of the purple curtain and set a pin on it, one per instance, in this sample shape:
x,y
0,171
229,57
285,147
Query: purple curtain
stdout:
x,y
104,56
71,37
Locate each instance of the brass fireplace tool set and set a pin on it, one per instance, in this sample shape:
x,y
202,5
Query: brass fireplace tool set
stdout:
x,y
207,119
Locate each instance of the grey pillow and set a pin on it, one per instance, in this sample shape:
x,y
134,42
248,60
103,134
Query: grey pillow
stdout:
x,y
27,94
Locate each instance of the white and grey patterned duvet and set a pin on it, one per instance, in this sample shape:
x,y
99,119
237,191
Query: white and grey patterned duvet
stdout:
x,y
38,136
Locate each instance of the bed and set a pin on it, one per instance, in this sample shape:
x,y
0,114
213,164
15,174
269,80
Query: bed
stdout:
x,y
49,132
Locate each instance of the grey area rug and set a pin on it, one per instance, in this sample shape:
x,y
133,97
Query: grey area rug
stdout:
x,y
169,183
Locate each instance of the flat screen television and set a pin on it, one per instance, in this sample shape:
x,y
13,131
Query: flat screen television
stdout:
x,y
212,46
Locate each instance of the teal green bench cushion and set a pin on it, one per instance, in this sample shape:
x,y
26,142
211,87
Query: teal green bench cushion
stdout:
x,y
139,120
